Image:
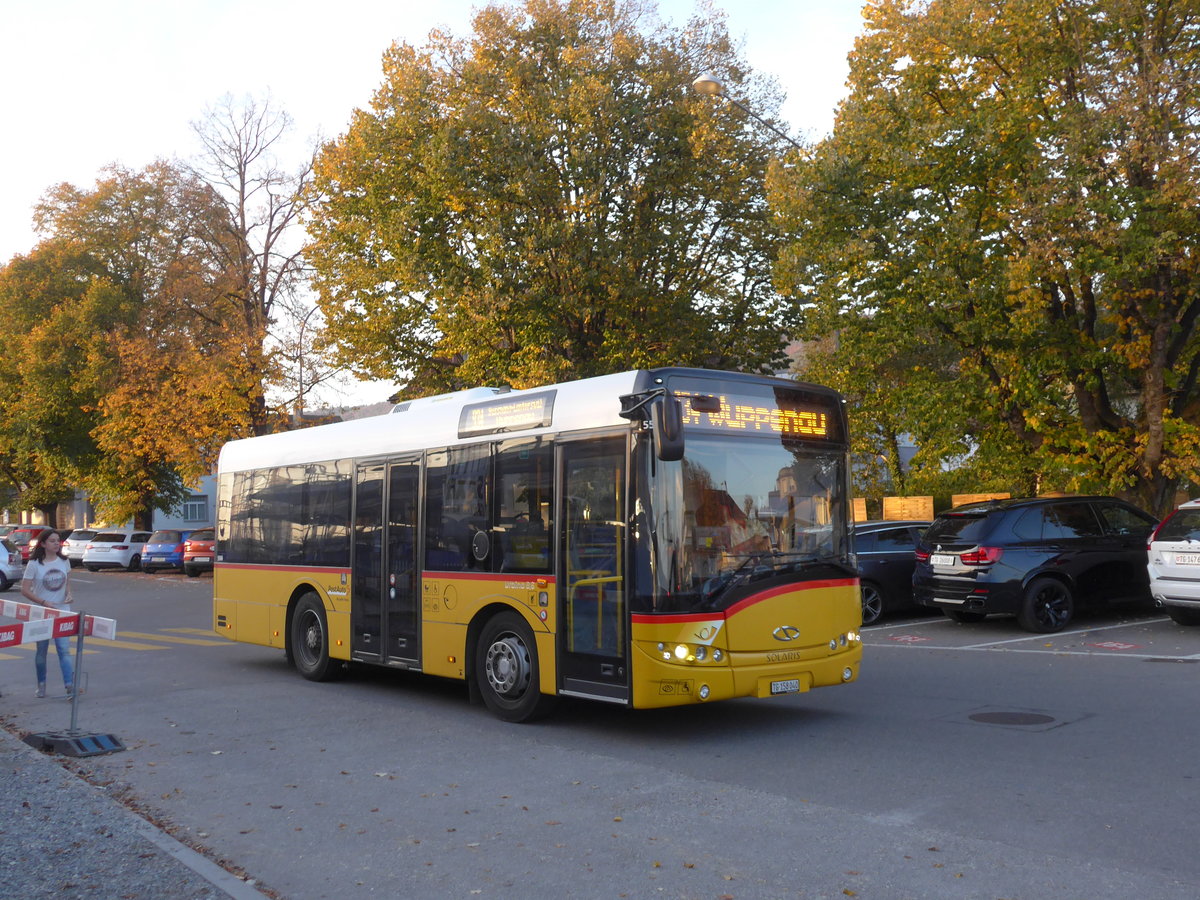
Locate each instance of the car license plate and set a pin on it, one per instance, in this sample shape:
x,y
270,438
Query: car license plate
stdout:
x,y
791,686
941,559
201,559
1187,559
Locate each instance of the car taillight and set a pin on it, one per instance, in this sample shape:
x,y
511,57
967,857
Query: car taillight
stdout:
x,y
981,556
120,546
922,555
1158,528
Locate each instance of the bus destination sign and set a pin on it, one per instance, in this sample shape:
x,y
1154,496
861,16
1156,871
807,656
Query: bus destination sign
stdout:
x,y
507,414
788,417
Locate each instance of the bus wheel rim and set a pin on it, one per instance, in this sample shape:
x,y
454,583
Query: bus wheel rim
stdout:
x,y
508,667
313,641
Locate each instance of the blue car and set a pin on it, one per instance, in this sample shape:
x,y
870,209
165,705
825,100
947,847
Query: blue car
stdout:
x,y
164,550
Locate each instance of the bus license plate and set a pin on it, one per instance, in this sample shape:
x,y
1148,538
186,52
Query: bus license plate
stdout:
x,y
941,559
791,686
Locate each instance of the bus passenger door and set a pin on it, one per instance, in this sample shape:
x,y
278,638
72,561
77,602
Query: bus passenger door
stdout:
x,y
593,620
401,625
383,613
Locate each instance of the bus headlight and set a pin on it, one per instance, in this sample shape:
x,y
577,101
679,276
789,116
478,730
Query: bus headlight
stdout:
x,y
701,652
704,692
847,673
681,651
718,655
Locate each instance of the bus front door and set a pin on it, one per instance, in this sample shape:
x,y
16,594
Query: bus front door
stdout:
x,y
593,615
384,609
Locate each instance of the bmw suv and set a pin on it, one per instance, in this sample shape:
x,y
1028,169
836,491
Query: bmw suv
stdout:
x,y
1037,558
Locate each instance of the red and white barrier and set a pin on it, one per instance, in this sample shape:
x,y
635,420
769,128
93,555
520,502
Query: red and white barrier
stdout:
x,y
40,623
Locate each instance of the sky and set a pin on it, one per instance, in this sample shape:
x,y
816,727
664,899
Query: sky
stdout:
x,y
85,83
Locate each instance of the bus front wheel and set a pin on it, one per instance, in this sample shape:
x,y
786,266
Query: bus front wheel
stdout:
x,y
308,641
506,670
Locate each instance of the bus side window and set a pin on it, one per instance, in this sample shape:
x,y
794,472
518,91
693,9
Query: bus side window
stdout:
x,y
524,479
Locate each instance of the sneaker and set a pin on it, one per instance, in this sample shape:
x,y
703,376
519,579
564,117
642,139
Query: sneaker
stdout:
x,y
41,691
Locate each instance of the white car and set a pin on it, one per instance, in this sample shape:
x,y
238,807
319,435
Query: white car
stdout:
x,y
11,568
115,550
76,543
1174,564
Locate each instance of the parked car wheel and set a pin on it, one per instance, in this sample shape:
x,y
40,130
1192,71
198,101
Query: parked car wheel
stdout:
x,y
1181,616
5,584
1047,607
93,568
191,573
135,563
872,603
965,617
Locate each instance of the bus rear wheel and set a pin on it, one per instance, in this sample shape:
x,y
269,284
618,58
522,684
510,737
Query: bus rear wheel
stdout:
x,y
507,672
308,641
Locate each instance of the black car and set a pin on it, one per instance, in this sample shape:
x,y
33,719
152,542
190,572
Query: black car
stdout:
x,y
885,565
1037,558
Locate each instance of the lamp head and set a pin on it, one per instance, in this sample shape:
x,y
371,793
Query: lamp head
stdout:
x,y
708,83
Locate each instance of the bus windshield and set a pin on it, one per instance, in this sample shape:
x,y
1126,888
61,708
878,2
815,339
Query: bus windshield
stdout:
x,y
737,510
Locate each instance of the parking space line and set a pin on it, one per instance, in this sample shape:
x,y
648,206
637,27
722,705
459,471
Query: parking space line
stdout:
x,y
1057,634
144,635
918,623
985,648
207,631
133,645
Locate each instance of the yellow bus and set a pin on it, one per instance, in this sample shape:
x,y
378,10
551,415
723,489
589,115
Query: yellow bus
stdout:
x,y
651,538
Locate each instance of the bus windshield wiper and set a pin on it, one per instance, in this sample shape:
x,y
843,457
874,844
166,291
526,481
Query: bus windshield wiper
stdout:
x,y
765,563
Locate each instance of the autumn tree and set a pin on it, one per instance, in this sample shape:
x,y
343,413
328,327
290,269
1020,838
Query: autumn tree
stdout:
x,y
1003,230
128,350
546,199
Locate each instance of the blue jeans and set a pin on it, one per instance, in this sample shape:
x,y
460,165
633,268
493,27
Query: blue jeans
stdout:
x,y
63,646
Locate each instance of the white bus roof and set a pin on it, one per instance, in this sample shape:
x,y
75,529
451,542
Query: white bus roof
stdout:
x,y
431,422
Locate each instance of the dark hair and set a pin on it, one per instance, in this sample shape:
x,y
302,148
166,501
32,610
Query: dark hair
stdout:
x,y
39,552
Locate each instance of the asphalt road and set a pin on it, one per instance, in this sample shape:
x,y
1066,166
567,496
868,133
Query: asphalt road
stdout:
x,y
968,761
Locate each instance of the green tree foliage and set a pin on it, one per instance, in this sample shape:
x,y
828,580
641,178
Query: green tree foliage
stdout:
x,y
547,199
1002,232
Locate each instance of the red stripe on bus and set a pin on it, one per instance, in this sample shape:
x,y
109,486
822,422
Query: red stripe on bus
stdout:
x,y
265,567
673,618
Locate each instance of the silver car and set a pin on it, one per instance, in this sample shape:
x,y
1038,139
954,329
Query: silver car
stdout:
x,y
1174,564
11,568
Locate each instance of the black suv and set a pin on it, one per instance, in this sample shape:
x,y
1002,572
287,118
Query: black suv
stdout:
x,y
1037,558
884,550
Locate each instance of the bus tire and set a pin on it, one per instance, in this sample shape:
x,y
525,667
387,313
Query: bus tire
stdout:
x,y
507,671
308,641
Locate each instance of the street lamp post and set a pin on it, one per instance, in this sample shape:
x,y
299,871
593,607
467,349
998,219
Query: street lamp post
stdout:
x,y
300,378
710,85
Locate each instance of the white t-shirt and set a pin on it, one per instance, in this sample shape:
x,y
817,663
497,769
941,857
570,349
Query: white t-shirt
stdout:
x,y
49,579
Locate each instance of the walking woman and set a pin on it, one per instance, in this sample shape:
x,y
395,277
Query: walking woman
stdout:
x,y
47,583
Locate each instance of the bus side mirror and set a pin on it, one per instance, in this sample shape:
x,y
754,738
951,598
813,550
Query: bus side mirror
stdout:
x,y
666,424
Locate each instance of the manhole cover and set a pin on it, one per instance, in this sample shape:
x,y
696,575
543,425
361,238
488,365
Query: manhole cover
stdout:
x,y
1011,718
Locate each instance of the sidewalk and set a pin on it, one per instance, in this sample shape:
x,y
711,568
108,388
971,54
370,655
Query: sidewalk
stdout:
x,y
60,837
